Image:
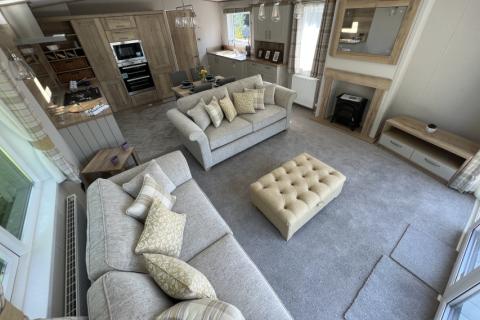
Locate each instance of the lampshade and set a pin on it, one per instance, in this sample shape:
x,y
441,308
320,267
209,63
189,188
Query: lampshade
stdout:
x,y
19,68
298,10
261,12
276,12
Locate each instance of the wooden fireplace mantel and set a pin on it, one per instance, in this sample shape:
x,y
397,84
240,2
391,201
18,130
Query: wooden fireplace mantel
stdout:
x,y
381,85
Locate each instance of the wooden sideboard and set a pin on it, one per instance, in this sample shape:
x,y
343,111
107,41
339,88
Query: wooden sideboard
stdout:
x,y
442,153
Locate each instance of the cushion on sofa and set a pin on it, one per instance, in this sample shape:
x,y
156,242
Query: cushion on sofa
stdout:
x,y
214,112
186,103
202,309
245,83
269,96
204,224
228,132
134,186
111,234
238,281
200,115
263,118
126,296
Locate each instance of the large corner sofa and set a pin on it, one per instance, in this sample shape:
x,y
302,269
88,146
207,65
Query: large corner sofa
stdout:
x,y
122,289
214,145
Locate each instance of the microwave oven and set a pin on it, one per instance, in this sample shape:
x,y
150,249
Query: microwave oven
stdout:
x,y
128,52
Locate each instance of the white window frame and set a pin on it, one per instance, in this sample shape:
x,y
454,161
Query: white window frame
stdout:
x,y
232,40
22,247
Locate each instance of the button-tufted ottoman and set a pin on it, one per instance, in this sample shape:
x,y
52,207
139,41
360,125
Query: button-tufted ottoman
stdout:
x,y
292,194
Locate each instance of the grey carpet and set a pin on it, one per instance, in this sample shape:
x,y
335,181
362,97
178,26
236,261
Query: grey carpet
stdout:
x,y
426,257
392,293
317,273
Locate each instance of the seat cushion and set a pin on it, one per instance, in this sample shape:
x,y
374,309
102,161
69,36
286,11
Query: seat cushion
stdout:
x,y
204,224
228,132
263,118
238,281
125,296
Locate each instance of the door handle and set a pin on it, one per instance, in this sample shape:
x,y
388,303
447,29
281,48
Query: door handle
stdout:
x,y
396,144
431,162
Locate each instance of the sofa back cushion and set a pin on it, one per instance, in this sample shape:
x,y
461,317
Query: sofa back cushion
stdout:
x,y
186,103
245,83
111,234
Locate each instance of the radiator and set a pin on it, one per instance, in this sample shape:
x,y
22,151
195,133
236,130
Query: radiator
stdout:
x,y
76,281
306,88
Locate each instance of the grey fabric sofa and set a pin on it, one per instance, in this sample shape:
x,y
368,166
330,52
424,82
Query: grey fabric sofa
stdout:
x,y
214,145
121,288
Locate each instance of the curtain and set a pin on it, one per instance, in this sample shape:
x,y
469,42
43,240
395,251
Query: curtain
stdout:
x,y
323,39
19,119
304,29
468,180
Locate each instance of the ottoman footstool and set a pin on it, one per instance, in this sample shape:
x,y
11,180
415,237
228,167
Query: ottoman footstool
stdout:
x,y
292,194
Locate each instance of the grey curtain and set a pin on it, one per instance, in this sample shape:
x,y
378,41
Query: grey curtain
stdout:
x,y
293,46
323,39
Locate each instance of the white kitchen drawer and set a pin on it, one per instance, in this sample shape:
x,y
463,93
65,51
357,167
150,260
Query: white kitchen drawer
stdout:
x,y
397,143
438,166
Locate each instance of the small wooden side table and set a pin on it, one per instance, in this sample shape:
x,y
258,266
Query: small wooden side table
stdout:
x,y
101,163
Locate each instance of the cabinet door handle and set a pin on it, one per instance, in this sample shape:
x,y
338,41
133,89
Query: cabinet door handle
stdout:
x,y
431,162
396,144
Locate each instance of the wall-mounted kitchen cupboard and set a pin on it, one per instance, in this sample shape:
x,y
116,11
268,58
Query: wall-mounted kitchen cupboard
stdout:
x,y
269,30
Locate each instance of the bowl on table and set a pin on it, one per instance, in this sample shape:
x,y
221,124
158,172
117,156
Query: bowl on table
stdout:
x,y
186,84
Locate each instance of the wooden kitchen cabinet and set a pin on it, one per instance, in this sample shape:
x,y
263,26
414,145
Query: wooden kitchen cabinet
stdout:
x,y
116,94
122,35
68,65
96,47
121,22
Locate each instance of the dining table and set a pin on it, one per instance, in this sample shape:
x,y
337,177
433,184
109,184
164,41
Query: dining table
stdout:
x,y
181,91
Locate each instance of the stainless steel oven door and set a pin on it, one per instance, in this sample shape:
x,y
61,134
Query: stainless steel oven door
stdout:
x,y
128,52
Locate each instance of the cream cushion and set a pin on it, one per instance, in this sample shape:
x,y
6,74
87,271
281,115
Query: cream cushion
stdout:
x,y
269,96
200,115
133,186
292,194
215,112
202,309
244,102
259,94
228,108
163,231
178,279
150,190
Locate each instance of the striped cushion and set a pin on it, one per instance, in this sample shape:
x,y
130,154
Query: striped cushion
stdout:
x,y
215,112
202,309
258,102
150,190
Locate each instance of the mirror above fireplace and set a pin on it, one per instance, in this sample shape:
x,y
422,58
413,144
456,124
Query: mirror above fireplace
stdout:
x,y
372,30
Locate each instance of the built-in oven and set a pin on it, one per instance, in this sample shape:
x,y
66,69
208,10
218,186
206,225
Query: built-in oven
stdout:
x,y
128,52
137,77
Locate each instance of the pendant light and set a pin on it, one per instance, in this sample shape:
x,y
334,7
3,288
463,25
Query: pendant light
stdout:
x,y
184,21
276,12
261,12
298,10
19,68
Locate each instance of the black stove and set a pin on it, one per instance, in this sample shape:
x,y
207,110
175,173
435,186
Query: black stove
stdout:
x,y
81,95
349,110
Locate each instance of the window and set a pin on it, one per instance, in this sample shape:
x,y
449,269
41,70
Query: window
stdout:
x,y
308,27
238,28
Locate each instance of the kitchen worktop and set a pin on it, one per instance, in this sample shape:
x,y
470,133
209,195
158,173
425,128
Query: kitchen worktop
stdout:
x,y
68,115
229,54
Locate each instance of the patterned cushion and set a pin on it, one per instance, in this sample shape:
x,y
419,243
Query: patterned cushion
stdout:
x,y
269,96
178,279
215,112
259,94
150,190
163,231
244,102
133,186
228,108
202,309
200,115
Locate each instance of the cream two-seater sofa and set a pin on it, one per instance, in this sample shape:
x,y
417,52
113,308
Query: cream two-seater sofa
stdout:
x,y
214,145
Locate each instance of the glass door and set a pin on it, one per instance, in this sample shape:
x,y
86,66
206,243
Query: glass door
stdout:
x,y
8,270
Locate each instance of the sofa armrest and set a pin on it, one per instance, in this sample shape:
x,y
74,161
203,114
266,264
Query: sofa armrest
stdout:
x,y
284,97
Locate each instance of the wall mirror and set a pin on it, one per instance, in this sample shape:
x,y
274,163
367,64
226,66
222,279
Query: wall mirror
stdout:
x,y
372,30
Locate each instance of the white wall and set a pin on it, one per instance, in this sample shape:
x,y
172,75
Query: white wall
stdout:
x,y
442,82
209,15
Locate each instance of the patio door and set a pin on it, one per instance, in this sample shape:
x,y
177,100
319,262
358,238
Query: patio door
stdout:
x,y
461,300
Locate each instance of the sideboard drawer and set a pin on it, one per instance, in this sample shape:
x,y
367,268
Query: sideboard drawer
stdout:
x,y
115,23
434,165
394,143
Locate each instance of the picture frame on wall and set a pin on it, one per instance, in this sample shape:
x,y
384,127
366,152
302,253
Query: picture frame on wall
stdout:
x,y
260,53
267,55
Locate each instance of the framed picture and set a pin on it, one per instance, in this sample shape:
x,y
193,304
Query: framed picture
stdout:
x,y
267,55
276,56
260,53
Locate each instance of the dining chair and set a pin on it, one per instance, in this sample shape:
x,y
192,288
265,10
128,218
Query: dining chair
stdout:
x,y
177,77
195,73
